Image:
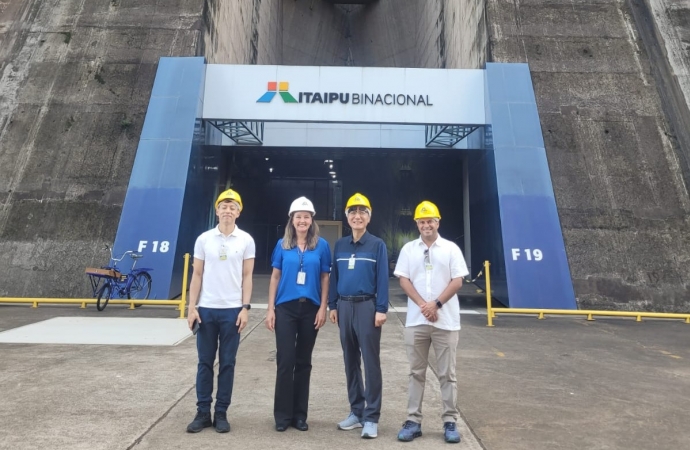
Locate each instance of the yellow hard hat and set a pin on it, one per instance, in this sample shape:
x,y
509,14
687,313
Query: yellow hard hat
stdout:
x,y
358,200
426,210
229,195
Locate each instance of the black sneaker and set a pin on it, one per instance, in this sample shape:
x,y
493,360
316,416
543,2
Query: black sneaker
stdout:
x,y
201,421
220,422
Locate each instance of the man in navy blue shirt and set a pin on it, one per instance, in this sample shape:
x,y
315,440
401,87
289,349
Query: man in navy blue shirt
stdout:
x,y
358,302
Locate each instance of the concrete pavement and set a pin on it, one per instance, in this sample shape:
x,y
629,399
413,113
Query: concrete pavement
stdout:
x,y
526,384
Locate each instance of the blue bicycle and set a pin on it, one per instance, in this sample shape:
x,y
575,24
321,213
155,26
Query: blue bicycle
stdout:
x,y
109,281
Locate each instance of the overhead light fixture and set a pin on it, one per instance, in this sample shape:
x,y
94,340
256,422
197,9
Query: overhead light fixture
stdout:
x,y
332,172
326,161
330,166
333,175
267,158
270,169
334,181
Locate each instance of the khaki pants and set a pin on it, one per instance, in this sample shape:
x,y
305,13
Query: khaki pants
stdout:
x,y
418,340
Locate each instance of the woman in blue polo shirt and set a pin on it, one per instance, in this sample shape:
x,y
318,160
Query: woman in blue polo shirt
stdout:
x,y
297,301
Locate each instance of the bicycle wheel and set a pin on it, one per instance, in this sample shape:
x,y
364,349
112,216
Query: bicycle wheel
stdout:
x,y
104,296
140,287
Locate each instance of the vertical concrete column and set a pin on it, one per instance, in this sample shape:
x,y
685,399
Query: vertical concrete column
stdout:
x,y
536,265
152,212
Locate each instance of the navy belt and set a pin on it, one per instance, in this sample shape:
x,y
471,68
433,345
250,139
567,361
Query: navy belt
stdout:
x,y
356,298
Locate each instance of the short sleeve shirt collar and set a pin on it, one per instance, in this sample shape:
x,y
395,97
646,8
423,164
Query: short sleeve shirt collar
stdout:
x,y
363,240
234,233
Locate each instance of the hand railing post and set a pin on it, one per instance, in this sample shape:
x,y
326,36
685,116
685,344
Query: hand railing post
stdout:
x,y
489,311
185,274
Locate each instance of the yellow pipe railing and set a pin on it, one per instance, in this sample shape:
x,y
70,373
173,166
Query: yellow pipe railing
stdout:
x,y
489,310
90,301
590,313
185,274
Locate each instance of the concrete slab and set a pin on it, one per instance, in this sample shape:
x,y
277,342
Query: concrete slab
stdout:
x,y
251,412
559,383
100,330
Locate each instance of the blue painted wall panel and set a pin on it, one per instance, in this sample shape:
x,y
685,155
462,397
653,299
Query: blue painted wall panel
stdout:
x,y
536,268
169,77
500,113
524,171
158,187
538,275
524,119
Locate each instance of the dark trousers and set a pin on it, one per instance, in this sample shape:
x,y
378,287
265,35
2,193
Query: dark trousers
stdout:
x,y
217,332
361,340
295,339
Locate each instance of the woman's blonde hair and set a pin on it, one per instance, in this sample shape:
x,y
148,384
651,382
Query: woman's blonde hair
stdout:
x,y
290,237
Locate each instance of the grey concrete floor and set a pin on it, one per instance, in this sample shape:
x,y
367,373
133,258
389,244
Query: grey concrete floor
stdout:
x,y
559,383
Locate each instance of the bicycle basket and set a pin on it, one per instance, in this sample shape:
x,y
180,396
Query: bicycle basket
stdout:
x,y
103,273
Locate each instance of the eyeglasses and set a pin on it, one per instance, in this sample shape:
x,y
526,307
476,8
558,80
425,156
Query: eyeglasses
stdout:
x,y
355,211
427,260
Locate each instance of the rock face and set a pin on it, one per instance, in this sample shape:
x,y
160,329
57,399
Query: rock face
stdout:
x,y
610,77
76,79
614,132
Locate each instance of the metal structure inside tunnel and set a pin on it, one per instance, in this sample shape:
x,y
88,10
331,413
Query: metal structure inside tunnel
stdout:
x,y
489,117
252,133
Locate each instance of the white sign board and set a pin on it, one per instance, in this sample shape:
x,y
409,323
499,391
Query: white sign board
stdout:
x,y
344,94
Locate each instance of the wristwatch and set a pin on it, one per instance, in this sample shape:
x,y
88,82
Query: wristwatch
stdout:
x,y
439,304
247,306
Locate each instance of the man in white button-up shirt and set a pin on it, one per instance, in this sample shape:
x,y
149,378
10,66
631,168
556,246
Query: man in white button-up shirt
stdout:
x,y
431,270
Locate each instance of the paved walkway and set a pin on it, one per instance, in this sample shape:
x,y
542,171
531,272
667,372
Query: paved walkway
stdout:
x,y
559,383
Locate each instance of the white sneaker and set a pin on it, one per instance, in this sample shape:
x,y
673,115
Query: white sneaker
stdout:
x,y
350,423
371,430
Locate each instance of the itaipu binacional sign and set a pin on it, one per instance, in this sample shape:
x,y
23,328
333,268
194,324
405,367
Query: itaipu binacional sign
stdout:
x,y
344,94
283,89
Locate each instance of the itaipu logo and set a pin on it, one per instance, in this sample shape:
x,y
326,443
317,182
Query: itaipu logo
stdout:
x,y
281,88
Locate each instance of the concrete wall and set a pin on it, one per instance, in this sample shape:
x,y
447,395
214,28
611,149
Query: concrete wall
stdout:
x,y
452,34
672,20
616,170
242,31
76,77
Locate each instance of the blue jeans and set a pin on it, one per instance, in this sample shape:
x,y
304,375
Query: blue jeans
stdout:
x,y
217,332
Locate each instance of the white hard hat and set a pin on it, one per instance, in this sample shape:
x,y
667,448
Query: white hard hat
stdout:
x,y
302,204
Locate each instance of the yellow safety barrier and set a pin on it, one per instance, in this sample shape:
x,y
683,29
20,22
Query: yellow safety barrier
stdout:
x,y
489,309
181,303
590,313
185,275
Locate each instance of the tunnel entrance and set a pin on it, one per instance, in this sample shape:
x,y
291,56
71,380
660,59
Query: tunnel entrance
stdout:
x,y
394,180
468,140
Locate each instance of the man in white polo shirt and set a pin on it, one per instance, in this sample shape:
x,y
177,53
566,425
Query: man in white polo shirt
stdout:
x,y
222,284
431,270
